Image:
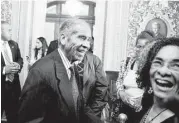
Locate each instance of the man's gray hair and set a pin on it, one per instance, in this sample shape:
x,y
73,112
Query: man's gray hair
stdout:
x,y
67,27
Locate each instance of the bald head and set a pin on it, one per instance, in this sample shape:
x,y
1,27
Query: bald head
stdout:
x,y
5,31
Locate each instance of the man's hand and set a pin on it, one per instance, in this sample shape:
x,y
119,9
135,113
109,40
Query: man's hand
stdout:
x,y
15,64
12,68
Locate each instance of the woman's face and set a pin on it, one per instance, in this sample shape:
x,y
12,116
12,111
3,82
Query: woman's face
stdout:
x,y
38,44
164,72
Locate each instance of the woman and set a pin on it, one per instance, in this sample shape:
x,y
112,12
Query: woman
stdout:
x,y
160,78
40,50
128,90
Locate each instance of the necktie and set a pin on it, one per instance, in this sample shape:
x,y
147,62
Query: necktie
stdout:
x,y
75,91
79,101
80,69
10,77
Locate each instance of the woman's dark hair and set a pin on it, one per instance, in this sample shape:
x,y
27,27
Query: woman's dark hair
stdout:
x,y
44,47
144,78
145,35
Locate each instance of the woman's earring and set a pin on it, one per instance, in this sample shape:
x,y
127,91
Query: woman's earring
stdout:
x,y
150,91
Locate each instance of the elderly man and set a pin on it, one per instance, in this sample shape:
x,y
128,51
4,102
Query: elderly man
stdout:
x,y
11,65
54,91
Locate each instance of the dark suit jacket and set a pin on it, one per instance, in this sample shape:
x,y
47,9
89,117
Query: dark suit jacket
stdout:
x,y
16,58
53,45
95,85
47,95
93,67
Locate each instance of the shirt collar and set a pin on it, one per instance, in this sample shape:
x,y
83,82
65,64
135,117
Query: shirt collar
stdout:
x,y
2,42
65,61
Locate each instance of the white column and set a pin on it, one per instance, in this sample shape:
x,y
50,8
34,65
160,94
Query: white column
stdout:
x,y
99,28
38,22
116,34
22,20
16,8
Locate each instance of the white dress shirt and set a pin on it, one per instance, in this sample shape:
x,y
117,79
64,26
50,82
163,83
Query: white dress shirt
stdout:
x,y
5,44
66,62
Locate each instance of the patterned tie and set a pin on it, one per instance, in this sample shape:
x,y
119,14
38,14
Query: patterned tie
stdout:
x,y
80,69
7,57
75,91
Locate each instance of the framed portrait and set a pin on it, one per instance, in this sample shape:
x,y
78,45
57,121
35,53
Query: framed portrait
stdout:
x,y
158,27
144,13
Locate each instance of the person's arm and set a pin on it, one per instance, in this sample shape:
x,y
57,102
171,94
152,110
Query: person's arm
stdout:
x,y
53,45
100,96
119,82
34,98
121,93
19,58
19,61
2,67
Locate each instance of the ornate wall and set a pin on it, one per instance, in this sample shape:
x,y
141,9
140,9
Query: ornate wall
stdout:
x,y
141,12
6,10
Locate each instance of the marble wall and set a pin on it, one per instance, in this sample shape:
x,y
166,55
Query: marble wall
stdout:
x,y
6,10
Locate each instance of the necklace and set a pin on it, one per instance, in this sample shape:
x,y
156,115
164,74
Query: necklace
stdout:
x,y
145,116
157,115
147,113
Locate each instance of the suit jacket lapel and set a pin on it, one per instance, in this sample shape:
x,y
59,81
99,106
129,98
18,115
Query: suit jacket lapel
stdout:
x,y
65,86
2,60
12,47
87,69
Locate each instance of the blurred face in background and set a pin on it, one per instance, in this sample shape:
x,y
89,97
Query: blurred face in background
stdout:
x,y
6,32
140,45
38,44
164,72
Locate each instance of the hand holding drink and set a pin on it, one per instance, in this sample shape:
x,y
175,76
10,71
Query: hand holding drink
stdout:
x,y
16,65
13,68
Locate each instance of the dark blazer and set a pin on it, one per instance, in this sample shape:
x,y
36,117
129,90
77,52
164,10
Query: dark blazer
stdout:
x,y
16,58
93,67
47,95
53,45
10,91
95,85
